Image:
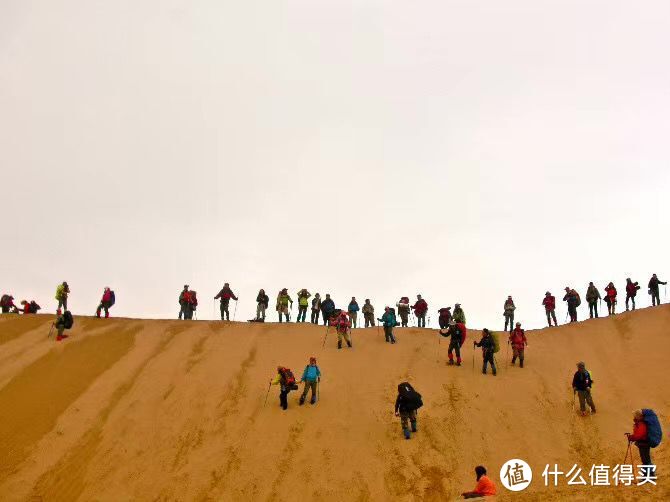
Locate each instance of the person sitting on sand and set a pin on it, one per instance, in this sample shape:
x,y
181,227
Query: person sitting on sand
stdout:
x,y
485,487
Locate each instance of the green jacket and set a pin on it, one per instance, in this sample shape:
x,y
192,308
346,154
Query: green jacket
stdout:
x,y
303,298
284,300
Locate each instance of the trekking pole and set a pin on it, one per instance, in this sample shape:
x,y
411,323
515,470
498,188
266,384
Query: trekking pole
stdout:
x,y
214,308
473,357
50,330
326,336
628,452
266,395
507,354
235,312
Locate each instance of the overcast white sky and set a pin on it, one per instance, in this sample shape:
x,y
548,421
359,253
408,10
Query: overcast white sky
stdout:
x,y
465,150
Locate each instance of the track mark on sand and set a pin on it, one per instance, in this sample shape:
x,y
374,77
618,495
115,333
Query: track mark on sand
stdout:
x,y
65,481
293,444
32,401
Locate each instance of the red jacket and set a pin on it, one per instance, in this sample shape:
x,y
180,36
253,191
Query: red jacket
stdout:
x,y
464,331
420,307
107,296
549,303
518,338
631,289
611,292
639,432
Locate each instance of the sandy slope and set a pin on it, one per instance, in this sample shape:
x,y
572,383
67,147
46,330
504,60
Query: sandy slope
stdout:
x,y
168,410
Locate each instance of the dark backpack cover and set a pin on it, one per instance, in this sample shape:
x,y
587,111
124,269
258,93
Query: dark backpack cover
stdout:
x,y
68,320
34,307
411,399
112,298
654,431
4,300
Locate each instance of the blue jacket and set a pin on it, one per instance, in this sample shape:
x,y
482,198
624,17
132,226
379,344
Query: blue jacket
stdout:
x,y
327,306
311,373
353,307
388,319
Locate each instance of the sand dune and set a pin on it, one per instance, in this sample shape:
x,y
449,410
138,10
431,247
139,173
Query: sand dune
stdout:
x,y
165,410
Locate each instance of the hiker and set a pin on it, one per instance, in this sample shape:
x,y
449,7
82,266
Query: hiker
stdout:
x,y
646,434
263,302
368,313
445,317
459,315
484,488
352,310
311,376
108,299
225,295
403,311
59,324
406,405
488,349
572,297
62,292
592,297
343,328
7,304
653,290
303,303
517,339
316,308
188,302
420,308
581,385
549,302
508,313
327,309
389,322
457,331
631,292
610,298
283,300
286,382
29,307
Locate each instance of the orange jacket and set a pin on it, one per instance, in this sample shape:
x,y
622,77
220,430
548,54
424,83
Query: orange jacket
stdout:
x,y
485,487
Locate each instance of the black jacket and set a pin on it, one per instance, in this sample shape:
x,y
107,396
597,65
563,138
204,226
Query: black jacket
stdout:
x,y
581,381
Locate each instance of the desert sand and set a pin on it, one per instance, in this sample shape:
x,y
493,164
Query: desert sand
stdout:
x,y
166,410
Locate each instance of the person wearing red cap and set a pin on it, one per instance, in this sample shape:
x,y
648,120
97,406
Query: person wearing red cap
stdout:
x,y
311,376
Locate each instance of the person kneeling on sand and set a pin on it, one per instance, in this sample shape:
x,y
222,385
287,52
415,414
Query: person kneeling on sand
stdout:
x,y
485,487
581,385
406,405
311,376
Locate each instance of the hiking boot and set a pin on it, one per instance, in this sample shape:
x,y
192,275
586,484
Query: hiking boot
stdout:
x,y
302,401
407,433
593,410
339,345
414,429
312,401
483,372
521,364
495,372
349,344
458,363
451,362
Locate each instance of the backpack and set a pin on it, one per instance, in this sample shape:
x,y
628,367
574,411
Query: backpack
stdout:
x,y
496,342
411,399
654,431
578,298
4,300
112,298
193,299
288,379
34,307
68,320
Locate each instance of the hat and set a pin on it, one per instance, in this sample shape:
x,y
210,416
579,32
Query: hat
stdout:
x,y
547,293
581,364
443,331
186,285
458,305
312,359
518,324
